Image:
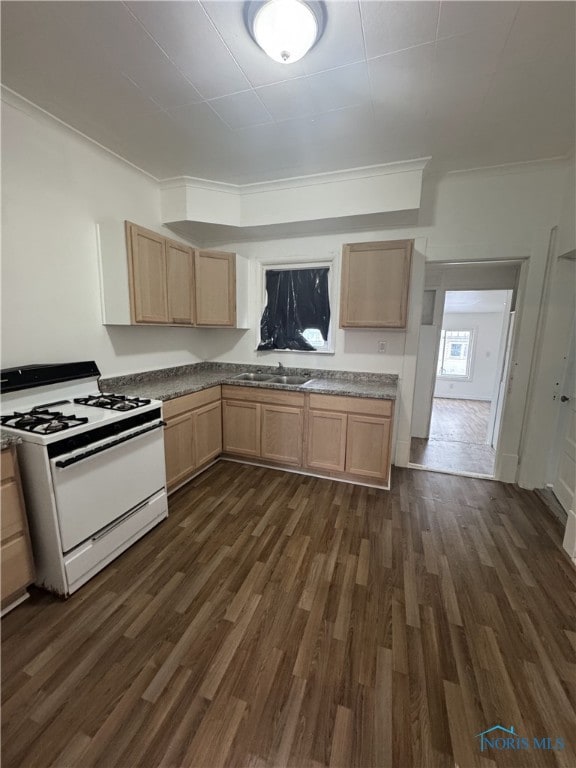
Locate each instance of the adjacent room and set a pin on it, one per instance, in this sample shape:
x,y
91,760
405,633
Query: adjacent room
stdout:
x,y
288,408
471,364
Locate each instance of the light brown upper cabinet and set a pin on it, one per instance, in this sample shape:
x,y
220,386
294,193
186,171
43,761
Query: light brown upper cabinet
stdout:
x,y
375,284
215,273
169,283
180,283
147,269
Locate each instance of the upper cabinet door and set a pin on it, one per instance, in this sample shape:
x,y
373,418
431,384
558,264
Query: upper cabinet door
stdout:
x,y
180,282
215,277
147,263
375,284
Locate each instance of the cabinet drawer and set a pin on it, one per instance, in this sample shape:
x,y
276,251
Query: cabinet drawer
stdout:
x,y
189,402
260,395
17,571
12,520
8,465
366,405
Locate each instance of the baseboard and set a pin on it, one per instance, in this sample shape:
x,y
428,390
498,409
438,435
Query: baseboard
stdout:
x,y
549,498
402,454
14,603
457,472
506,468
460,397
304,472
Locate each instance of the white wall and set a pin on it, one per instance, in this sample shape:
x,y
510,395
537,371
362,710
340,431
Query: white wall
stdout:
x,y
540,444
488,332
55,186
567,224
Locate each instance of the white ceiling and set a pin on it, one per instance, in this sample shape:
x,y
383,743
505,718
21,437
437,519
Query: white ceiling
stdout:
x,y
475,301
180,88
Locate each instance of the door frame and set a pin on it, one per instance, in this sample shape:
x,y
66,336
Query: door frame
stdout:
x,y
506,464
561,425
504,359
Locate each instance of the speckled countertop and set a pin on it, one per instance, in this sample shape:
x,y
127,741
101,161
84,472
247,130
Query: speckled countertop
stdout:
x,y
6,440
168,383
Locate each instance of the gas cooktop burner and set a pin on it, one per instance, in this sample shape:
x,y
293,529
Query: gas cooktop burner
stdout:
x,y
42,421
112,402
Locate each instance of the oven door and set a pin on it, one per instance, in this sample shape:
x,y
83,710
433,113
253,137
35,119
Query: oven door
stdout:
x,y
99,483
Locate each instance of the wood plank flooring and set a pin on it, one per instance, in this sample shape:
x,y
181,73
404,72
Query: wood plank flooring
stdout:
x,y
463,420
457,441
279,620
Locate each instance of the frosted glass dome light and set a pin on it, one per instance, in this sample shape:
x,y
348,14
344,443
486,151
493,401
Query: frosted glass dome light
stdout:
x,y
285,29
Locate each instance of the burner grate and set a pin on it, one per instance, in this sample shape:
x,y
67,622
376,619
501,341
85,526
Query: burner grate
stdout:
x,y
41,421
113,402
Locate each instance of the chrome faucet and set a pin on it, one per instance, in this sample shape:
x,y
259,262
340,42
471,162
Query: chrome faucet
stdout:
x,y
280,368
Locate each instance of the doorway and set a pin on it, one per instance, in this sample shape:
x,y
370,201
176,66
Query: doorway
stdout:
x,y
472,340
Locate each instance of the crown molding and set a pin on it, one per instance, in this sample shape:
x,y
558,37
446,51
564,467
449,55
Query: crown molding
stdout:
x,y
558,161
295,182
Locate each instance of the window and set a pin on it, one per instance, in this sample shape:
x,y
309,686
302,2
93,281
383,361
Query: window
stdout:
x,y
296,314
455,354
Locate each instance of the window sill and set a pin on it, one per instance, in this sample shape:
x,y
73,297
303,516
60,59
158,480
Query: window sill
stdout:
x,y
295,351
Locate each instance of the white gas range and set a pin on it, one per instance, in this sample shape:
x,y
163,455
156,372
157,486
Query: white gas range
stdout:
x,y
92,468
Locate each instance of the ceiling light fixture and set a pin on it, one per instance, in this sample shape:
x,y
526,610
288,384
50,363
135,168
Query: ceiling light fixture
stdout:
x,y
286,29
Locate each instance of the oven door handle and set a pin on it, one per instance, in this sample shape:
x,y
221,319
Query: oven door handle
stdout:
x,y
63,463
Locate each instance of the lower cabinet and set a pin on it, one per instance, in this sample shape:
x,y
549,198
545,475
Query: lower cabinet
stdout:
x,y
350,436
15,550
192,435
241,428
266,424
326,447
368,446
207,430
332,435
179,449
281,434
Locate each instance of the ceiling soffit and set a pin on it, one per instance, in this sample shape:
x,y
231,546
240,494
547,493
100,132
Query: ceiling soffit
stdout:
x,y
357,194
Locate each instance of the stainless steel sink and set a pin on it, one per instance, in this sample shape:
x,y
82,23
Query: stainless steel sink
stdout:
x,y
254,377
294,380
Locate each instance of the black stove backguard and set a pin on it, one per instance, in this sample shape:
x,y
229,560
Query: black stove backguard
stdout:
x,y
41,375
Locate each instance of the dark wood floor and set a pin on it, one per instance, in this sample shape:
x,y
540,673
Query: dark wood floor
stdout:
x,y
278,620
457,441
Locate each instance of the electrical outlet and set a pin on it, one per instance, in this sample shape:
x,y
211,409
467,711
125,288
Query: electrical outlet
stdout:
x,y
381,346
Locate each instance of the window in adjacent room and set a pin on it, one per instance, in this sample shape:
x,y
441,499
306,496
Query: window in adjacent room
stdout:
x,y
296,314
455,354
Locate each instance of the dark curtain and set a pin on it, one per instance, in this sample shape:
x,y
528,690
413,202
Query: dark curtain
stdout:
x,y
297,299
